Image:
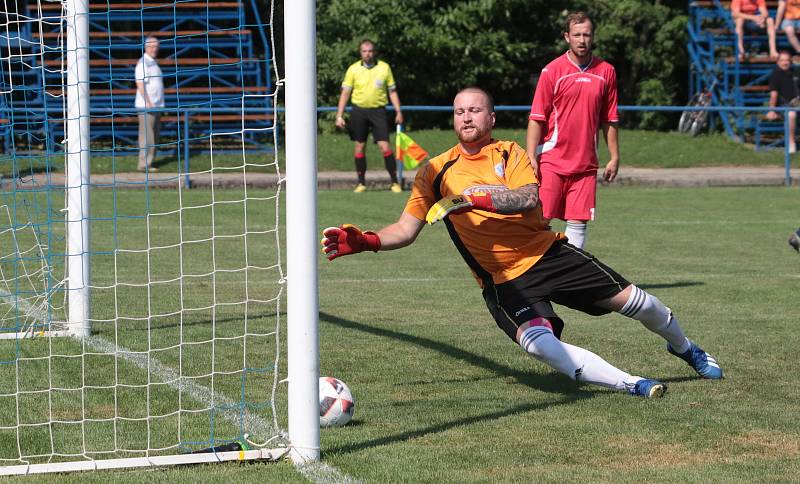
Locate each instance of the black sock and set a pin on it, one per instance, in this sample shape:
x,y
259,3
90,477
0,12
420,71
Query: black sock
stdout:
x,y
361,169
390,164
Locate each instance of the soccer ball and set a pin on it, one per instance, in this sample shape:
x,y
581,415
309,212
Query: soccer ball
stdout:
x,y
336,404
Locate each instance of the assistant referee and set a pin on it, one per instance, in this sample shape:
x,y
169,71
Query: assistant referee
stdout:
x,y
370,81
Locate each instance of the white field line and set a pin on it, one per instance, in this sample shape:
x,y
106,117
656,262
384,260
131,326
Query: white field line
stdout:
x,y
317,472
322,473
252,423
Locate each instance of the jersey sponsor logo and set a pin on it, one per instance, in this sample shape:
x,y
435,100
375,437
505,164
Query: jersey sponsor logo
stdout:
x,y
484,189
583,79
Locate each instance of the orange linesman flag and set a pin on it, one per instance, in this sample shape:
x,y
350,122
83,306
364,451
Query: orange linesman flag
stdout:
x,y
409,151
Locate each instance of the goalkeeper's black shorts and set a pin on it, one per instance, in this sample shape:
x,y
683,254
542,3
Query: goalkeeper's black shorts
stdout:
x,y
565,275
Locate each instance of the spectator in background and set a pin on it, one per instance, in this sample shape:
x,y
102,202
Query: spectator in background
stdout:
x,y
783,91
788,18
149,96
369,80
753,15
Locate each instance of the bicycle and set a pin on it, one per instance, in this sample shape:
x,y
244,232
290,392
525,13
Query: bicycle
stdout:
x,y
694,122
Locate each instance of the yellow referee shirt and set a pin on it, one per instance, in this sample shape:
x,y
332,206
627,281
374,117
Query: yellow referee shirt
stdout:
x,y
370,85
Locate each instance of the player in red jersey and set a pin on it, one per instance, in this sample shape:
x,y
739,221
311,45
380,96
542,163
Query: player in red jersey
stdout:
x,y
576,97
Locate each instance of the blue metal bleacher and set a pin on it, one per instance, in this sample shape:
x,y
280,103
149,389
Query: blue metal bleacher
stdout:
x,y
715,64
215,57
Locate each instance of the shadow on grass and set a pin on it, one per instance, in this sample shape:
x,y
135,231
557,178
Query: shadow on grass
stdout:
x,y
679,379
546,383
186,324
549,383
166,160
670,284
433,429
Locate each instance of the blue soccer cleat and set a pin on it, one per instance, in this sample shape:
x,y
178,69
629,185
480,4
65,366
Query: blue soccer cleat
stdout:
x,y
648,388
704,364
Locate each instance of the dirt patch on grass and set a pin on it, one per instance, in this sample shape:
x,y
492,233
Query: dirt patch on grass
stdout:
x,y
752,445
768,445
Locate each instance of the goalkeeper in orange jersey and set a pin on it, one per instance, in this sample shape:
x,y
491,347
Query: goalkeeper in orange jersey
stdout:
x,y
486,193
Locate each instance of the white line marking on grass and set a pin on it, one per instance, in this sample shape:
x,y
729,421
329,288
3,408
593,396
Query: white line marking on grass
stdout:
x,y
252,423
322,473
315,472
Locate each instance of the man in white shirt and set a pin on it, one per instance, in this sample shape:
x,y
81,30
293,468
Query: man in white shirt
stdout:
x,y
149,96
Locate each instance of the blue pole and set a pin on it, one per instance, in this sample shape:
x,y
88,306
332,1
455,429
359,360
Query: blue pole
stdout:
x,y
187,180
787,157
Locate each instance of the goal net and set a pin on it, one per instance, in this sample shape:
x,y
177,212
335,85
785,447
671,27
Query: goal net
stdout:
x,y
142,276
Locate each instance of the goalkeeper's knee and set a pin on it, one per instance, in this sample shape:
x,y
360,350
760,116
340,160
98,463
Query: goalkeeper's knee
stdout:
x,y
536,338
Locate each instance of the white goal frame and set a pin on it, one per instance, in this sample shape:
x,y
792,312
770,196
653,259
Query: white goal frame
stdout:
x,y
301,238
301,228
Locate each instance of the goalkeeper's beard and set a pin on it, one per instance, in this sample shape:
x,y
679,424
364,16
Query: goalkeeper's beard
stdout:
x,y
476,134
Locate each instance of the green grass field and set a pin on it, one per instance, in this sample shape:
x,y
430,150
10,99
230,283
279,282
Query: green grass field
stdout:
x,y
444,396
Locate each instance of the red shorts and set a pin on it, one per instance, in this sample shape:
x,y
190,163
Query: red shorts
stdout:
x,y
568,197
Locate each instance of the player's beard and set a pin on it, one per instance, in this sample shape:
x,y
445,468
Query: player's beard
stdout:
x,y
473,136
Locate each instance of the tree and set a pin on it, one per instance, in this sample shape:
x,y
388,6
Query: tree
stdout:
x,y
436,47
646,44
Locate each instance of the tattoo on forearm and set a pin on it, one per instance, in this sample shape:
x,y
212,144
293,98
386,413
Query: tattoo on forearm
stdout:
x,y
520,200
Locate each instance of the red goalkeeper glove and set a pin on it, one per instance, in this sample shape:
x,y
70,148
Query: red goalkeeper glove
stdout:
x,y
455,204
348,239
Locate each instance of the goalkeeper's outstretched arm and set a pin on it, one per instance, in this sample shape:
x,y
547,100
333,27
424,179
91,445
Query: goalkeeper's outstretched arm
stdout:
x,y
401,233
348,239
507,202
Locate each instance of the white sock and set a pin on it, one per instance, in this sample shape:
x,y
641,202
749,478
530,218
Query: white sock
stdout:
x,y
656,317
576,233
575,362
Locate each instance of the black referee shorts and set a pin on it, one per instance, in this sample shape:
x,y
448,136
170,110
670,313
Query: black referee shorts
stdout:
x,y
362,119
565,275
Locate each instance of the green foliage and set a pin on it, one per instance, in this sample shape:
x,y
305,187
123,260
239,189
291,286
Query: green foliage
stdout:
x,y
645,42
436,47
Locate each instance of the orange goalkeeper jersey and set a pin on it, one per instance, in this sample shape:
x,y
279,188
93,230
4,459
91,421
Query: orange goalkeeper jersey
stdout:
x,y
497,247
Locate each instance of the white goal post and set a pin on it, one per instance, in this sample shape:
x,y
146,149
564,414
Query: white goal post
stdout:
x,y
301,229
143,323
